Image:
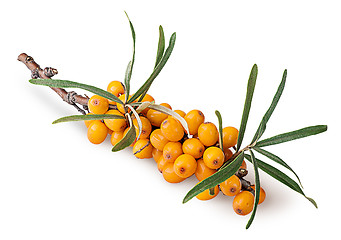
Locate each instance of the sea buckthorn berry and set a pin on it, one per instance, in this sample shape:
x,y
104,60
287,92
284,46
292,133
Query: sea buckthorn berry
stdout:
x,y
208,134
262,194
172,129
97,132
180,112
172,151
117,125
169,174
143,149
158,140
88,122
230,137
203,171
213,157
120,107
228,154
155,117
98,104
146,127
161,164
243,203
157,154
116,88
194,118
231,186
205,195
185,165
147,98
193,147
116,137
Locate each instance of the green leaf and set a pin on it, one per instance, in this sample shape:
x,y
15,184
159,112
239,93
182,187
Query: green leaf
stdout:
x,y
257,189
277,160
247,105
138,119
215,179
87,117
281,177
289,136
57,83
127,139
220,129
156,71
161,46
129,69
267,115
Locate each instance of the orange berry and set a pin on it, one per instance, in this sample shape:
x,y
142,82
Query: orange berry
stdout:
x,y
156,117
262,194
180,112
208,134
117,88
169,174
172,129
213,157
205,195
98,104
243,203
157,154
185,165
116,137
230,137
171,151
143,149
117,125
231,186
203,171
228,154
161,164
193,147
158,140
146,127
194,118
147,98
97,132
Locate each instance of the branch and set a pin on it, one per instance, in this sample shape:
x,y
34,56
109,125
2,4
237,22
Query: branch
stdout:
x,y
71,97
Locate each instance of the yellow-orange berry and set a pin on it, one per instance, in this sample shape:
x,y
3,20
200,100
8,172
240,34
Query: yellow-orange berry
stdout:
x,y
161,164
143,149
98,104
208,134
158,140
146,127
172,129
97,132
203,171
116,137
230,137
193,147
213,157
228,154
147,98
157,154
185,165
169,174
231,186
262,194
180,112
243,203
117,88
171,151
194,118
117,125
155,117
206,195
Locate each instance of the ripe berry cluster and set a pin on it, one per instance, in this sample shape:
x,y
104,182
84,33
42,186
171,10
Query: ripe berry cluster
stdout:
x,y
177,156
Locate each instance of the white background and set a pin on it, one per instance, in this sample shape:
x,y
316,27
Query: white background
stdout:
x,y
54,184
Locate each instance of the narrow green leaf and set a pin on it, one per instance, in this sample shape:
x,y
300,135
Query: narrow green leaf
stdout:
x,y
281,177
247,105
161,46
289,136
143,106
215,179
277,160
156,71
87,117
127,139
131,63
220,129
70,84
138,119
267,115
257,190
